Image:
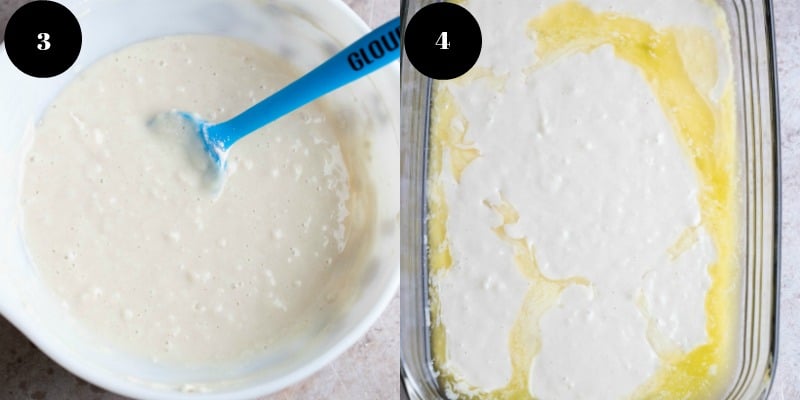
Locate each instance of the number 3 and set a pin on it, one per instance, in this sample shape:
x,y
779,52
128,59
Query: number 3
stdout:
x,y
44,37
442,41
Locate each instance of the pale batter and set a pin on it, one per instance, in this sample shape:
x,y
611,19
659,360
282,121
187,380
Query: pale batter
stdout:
x,y
118,225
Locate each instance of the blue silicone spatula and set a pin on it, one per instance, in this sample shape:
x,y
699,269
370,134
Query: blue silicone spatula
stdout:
x,y
368,54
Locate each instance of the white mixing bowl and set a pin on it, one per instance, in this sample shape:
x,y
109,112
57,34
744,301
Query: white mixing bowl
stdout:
x,y
306,32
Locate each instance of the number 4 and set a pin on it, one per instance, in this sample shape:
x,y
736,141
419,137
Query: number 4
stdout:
x,y
442,41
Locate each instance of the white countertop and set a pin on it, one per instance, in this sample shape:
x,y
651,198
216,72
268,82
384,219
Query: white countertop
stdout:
x,y
787,24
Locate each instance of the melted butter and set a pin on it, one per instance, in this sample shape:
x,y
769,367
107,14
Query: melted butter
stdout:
x,y
496,82
701,66
707,134
687,239
661,344
542,294
444,113
680,65
452,139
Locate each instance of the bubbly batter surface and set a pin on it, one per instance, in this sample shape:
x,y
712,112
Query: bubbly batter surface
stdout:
x,y
118,224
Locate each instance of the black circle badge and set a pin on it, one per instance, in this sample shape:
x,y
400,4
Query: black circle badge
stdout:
x,y
43,38
443,40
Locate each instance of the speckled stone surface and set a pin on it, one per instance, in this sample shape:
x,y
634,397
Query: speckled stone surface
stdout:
x,y
367,371
787,24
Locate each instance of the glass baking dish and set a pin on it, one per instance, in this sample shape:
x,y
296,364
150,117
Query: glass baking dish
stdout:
x,y
753,53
